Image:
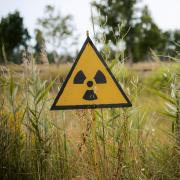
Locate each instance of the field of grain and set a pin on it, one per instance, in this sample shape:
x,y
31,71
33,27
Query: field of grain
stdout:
x,y
141,142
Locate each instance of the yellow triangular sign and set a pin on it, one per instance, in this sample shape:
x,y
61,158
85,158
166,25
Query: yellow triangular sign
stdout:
x,y
90,84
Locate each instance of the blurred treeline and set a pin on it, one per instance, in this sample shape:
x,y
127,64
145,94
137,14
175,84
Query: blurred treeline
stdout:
x,y
124,25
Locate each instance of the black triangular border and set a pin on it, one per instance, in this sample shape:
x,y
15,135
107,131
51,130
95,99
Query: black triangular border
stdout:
x,y
54,107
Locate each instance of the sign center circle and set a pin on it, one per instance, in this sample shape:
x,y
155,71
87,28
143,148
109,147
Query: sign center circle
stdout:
x,y
90,83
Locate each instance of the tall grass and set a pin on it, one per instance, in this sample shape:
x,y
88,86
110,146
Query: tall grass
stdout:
x,y
141,142
26,128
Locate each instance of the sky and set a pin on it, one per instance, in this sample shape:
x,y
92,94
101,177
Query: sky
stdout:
x,y
166,13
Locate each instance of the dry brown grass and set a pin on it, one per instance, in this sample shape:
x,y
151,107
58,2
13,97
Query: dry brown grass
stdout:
x,y
132,143
52,70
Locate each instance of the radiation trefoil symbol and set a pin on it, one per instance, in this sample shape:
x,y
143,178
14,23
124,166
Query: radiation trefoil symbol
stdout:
x,y
90,84
99,78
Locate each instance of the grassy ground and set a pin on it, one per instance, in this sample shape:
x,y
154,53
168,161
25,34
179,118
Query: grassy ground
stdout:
x,y
141,142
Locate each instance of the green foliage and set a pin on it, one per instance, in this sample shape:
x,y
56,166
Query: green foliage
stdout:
x,y
162,77
177,40
172,112
147,36
40,41
173,43
140,33
12,34
55,27
113,13
172,99
40,48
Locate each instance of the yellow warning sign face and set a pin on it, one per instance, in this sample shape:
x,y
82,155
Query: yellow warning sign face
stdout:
x,y
90,84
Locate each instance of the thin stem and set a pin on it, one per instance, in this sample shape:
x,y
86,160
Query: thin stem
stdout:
x,y
95,144
104,143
